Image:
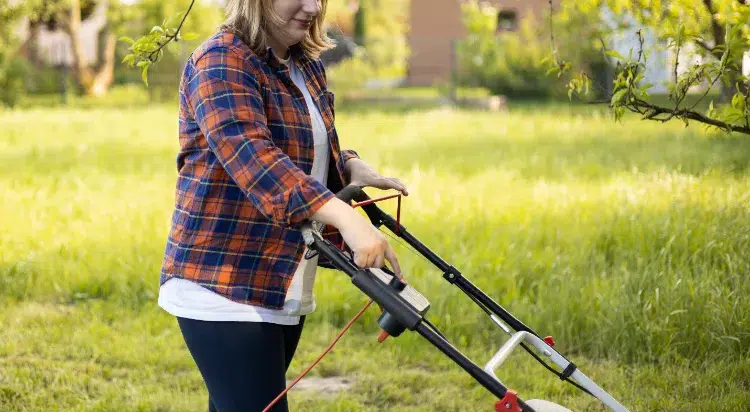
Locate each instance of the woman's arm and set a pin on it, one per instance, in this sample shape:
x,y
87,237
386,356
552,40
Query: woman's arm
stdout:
x,y
369,245
224,93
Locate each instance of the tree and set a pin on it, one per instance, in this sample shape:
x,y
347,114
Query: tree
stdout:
x,y
360,31
386,49
68,15
704,24
94,81
12,67
719,30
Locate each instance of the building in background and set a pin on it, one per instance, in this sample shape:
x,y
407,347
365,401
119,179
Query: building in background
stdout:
x,y
436,24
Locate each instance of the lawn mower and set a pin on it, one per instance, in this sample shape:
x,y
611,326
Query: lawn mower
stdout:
x,y
405,308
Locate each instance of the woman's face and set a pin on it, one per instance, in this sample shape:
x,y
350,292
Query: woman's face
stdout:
x,y
298,16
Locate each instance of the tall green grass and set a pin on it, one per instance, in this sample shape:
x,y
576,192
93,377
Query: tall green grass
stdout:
x,y
627,242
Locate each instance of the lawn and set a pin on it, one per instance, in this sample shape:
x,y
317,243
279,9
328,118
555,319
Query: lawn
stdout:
x,y
630,243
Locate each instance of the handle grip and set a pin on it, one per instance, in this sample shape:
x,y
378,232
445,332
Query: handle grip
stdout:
x,y
352,192
355,193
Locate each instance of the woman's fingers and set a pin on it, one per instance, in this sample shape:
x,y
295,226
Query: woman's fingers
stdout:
x,y
383,183
369,245
361,259
390,256
392,183
376,258
400,186
379,261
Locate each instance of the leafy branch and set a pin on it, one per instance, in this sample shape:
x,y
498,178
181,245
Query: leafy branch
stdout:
x,y
148,49
629,93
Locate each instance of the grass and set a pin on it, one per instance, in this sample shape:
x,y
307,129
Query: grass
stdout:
x,y
628,243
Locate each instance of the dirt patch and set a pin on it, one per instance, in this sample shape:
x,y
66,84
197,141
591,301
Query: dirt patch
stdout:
x,y
324,386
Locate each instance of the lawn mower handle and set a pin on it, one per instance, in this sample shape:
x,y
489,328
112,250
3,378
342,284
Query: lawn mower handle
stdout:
x,y
355,193
362,278
451,274
391,303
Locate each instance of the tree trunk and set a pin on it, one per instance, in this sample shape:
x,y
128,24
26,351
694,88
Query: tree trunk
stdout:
x,y
360,30
32,43
81,71
106,73
93,83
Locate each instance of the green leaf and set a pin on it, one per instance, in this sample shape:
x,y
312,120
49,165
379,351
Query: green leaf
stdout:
x,y
157,29
734,115
617,97
143,63
641,94
127,39
738,101
615,54
129,60
144,74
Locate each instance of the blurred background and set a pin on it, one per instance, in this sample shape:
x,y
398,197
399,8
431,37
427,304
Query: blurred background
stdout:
x,y
627,241
387,50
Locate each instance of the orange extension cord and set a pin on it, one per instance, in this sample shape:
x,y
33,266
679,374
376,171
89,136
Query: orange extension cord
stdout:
x,y
382,336
325,352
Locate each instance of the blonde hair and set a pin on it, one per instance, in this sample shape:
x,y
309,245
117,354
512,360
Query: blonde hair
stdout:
x,y
251,21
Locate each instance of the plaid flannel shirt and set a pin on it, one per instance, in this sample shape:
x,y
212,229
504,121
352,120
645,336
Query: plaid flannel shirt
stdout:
x,y
244,186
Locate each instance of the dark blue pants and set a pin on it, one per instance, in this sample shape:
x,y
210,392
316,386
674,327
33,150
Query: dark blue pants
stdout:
x,y
243,363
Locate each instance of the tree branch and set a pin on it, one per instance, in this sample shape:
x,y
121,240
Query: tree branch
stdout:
x,y
704,45
628,95
155,54
692,115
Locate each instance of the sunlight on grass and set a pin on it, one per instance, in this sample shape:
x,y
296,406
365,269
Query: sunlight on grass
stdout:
x,y
628,243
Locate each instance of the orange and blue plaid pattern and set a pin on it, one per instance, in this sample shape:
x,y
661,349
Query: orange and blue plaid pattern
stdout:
x,y
244,186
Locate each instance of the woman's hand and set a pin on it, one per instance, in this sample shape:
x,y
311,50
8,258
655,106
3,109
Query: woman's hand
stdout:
x,y
369,245
361,174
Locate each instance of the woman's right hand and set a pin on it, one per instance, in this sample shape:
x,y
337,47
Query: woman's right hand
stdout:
x,y
369,245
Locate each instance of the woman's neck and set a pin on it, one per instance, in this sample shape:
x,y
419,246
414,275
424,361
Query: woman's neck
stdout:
x,y
279,49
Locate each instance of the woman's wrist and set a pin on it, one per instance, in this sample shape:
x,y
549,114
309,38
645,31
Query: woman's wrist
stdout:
x,y
336,213
349,165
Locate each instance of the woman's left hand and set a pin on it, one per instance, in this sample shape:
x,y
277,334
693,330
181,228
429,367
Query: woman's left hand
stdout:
x,y
363,175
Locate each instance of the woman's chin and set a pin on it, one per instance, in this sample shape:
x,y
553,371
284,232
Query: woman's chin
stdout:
x,y
297,36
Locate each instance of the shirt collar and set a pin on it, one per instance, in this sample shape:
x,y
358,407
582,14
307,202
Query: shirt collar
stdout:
x,y
296,52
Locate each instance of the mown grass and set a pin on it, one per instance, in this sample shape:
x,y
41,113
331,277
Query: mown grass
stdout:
x,y
628,243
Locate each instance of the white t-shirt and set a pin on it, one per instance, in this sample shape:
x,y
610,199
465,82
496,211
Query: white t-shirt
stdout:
x,y
187,299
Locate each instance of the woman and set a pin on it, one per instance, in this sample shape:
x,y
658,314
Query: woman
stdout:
x,y
259,156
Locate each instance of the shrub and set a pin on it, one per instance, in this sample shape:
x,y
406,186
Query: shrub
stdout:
x,y
13,72
510,64
349,75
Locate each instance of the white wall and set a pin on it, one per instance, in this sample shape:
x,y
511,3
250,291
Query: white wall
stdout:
x,y
660,58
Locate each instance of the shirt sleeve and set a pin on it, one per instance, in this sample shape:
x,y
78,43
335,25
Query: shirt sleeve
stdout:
x,y
348,155
224,94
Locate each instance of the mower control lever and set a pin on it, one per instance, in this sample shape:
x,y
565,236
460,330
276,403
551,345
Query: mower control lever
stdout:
x,y
352,192
355,193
